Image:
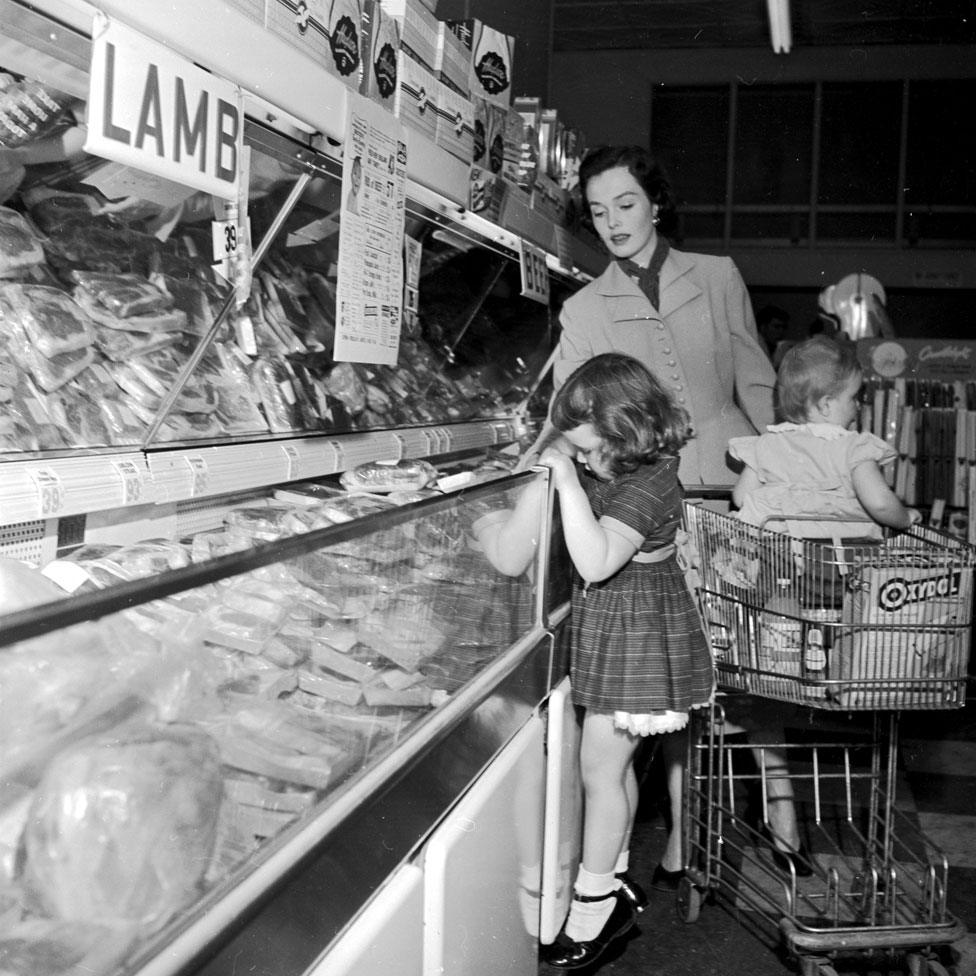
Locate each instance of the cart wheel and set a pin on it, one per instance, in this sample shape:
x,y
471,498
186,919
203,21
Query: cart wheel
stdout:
x,y
688,901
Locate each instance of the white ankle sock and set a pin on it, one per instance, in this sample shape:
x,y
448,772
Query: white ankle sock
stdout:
x,y
587,918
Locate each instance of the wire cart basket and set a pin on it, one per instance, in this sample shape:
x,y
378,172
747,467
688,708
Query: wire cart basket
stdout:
x,y
847,633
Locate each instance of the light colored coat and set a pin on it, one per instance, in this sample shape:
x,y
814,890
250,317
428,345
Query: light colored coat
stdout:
x,y
702,346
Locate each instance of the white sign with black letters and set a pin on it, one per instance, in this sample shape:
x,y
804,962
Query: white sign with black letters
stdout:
x,y
153,110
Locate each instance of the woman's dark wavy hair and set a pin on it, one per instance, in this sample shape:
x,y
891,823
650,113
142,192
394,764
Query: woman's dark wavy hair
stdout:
x,y
816,368
644,168
632,413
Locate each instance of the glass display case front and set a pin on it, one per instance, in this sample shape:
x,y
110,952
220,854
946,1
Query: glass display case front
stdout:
x,y
201,715
121,331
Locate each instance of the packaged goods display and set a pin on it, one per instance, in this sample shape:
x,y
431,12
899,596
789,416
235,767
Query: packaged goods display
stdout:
x,y
125,288
150,754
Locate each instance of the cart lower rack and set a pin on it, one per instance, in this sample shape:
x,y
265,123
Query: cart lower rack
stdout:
x,y
878,887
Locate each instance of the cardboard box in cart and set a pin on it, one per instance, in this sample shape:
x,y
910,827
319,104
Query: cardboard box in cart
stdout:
x,y
904,635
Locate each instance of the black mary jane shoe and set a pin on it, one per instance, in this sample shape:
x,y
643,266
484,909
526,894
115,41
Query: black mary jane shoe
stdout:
x,y
664,880
567,953
632,891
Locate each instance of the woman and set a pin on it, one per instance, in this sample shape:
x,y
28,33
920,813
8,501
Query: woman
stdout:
x,y
686,317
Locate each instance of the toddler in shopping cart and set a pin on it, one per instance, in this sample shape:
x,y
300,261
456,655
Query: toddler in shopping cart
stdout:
x,y
813,463
814,476
639,660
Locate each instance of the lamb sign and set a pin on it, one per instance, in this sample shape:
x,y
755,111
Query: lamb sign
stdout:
x,y
157,112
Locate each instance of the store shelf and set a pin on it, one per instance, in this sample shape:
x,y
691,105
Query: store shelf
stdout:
x,y
40,489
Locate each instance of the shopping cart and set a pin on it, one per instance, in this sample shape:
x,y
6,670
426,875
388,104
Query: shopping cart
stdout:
x,y
863,630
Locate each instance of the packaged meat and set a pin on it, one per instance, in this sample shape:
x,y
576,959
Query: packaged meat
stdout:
x,y
270,522
261,791
151,323
274,386
354,505
51,320
384,476
119,345
254,754
123,825
29,111
35,946
306,493
50,373
51,211
236,408
326,685
345,383
79,419
24,423
20,248
124,295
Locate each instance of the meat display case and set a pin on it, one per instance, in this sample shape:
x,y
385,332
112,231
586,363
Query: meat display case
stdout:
x,y
215,767
148,488
137,428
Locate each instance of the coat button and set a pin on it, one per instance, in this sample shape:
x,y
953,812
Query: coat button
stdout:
x,y
672,363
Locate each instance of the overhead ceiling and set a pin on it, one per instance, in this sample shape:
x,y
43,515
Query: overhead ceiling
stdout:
x,y
638,24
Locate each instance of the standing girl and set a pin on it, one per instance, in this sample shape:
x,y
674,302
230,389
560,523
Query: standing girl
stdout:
x,y
639,660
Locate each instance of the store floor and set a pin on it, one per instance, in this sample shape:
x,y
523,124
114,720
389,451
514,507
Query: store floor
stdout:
x,y
936,786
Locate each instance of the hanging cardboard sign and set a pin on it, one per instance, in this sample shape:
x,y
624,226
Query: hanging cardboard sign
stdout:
x,y
157,112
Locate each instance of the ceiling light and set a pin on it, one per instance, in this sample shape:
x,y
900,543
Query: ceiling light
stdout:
x,y
779,25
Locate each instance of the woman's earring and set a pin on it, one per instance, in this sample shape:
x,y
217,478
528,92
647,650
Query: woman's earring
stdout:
x,y
655,220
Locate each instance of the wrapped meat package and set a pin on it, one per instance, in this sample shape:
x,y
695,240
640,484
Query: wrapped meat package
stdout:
x,y
122,826
124,295
52,321
19,247
383,476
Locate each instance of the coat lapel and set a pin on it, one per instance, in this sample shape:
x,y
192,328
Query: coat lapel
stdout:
x,y
677,288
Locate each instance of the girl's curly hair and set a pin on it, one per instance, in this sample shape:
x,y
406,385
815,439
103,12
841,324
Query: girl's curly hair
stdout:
x,y
628,408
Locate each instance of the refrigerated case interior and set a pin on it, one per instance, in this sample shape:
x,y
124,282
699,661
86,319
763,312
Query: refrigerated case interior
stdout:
x,y
183,733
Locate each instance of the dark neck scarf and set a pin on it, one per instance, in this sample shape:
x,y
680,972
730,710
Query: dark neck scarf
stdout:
x,y
648,279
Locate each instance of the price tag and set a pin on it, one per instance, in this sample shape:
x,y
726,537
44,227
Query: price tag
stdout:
x,y
535,273
199,476
228,236
340,456
293,462
50,492
401,444
564,247
132,481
